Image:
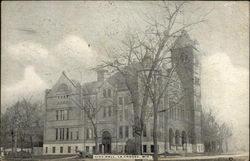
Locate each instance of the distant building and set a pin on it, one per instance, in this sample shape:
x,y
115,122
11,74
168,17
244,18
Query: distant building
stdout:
x,y
67,129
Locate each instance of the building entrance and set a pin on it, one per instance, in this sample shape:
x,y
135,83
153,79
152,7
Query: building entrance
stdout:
x,y
106,141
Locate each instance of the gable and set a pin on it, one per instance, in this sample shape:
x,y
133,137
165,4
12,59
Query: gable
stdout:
x,y
64,86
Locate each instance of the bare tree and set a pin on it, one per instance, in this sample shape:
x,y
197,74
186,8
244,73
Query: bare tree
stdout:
x,y
91,110
146,53
25,124
215,133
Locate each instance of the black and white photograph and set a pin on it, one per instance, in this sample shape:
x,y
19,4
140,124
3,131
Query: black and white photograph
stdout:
x,y
124,80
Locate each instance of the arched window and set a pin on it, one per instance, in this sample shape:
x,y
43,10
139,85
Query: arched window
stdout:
x,y
109,92
104,93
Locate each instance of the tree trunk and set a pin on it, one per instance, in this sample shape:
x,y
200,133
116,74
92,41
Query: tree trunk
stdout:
x,y
96,140
226,146
137,136
155,132
31,144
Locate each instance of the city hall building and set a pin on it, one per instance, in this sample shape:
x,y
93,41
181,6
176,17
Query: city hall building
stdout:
x,y
68,128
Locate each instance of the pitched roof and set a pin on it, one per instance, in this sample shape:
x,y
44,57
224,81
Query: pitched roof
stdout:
x,y
90,87
183,40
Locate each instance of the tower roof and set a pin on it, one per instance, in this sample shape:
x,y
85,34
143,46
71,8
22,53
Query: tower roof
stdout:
x,y
183,40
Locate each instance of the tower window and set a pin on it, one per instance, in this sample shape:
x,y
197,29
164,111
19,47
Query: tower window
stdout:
x,y
109,92
104,93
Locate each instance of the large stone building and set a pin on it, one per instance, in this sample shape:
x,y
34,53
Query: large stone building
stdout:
x,y
68,127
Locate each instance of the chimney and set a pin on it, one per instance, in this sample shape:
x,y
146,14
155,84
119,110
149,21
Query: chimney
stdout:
x,y
100,74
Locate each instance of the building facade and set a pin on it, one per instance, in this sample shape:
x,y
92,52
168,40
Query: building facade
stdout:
x,y
72,109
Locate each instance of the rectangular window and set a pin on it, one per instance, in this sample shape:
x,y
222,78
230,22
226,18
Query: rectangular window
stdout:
x,y
133,132
87,148
82,114
126,131
109,110
56,133
61,149
151,132
152,148
145,131
71,135
69,149
104,112
66,114
144,148
93,149
60,133
76,148
120,101
53,149
67,134
46,149
57,115
121,115
126,100
126,114
104,93
89,133
121,132
77,135
63,133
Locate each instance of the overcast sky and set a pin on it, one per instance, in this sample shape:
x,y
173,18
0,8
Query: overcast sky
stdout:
x,y
41,39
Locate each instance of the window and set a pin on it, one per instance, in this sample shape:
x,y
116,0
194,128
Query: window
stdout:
x,y
57,115
69,149
67,114
89,133
109,92
120,101
126,100
151,132
61,149
56,133
104,112
144,148
77,135
121,115
76,148
62,114
67,134
126,131
87,148
61,133
152,148
82,114
126,113
104,93
93,149
121,132
145,131
53,149
133,132
46,149
71,135
109,110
